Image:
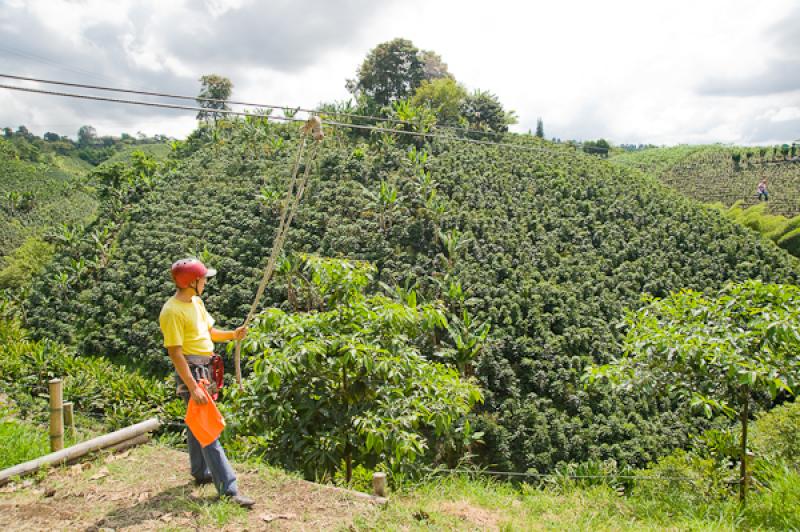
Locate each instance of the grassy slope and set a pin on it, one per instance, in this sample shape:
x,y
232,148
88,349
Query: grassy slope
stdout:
x,y
116,491
483,504
156,151
150,489
59,198
708,174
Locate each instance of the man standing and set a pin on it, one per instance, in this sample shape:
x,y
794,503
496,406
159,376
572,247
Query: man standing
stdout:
x,y
189,337
762,190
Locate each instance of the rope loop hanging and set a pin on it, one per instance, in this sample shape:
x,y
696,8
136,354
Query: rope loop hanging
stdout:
x,y
294,193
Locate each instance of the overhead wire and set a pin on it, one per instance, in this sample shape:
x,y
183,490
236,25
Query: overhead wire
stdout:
x,y
232,102
333,123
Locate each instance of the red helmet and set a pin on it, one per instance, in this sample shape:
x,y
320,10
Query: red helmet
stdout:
x,y
187,271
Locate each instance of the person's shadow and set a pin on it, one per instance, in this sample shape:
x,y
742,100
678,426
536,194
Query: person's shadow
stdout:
x,y
168,501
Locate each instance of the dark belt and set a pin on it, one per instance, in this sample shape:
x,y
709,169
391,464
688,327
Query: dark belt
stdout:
x,y
200,370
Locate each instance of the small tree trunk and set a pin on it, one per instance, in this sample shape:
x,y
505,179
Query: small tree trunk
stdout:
x,y
291,293
743,480
348,451
348,459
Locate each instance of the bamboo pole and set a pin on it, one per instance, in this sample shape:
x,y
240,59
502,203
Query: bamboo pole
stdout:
x,y
56,387
81,449
379,484
69,419
121,446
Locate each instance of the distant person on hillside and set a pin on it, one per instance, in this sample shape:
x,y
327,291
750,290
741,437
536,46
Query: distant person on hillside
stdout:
x,y
189,337
762,190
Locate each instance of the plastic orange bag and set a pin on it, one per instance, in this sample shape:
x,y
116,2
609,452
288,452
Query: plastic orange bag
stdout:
x,y
205,421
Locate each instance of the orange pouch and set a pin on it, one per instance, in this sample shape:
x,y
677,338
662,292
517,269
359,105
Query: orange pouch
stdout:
x,y
205,421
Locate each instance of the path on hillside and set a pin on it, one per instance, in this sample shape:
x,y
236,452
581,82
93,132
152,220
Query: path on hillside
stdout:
x,y
149,488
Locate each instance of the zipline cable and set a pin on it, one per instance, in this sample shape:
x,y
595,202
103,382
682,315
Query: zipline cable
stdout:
x,y
332,123
232,102
257,105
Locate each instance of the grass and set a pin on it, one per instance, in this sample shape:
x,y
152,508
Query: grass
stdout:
x,y
149,488
20,442
463,503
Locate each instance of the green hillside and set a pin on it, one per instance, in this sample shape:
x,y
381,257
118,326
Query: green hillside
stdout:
x,y
158,152
37,198
547,246
710,174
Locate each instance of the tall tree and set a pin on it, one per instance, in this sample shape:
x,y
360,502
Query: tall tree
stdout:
x,y
716,353
483,111
391,71
539,128
86,136
444,97
215,87
433,66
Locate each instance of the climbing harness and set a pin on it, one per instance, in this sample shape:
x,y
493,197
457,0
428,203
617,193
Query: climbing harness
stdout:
x,y
294,194
217,373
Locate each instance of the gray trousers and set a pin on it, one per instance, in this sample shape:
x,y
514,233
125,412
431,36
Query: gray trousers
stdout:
x,y
209,461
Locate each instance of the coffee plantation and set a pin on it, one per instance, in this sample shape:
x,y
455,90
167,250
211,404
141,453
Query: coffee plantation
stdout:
x,y
725,174
544,246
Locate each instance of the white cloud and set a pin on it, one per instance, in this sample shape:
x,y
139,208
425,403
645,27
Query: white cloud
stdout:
x,y
785,114
627,71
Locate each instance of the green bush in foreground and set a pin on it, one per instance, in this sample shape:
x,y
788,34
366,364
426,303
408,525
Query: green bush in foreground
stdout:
x,y
717,352
347,382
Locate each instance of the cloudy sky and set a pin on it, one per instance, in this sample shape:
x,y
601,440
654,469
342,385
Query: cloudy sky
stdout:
x,y
629,71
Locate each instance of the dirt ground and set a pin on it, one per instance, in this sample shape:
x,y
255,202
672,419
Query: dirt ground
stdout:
x,y
149,488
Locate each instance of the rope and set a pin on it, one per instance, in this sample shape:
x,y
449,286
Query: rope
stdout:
x,y
294,194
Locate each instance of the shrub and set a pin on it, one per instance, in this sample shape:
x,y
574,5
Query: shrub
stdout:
x,y
96,386
776,434
25,262
347,382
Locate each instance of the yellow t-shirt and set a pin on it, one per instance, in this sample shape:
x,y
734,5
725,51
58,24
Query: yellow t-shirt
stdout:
x,y
187,325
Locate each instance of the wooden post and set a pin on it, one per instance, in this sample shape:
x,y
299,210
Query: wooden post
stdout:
x,y
56,415
69,420
379,484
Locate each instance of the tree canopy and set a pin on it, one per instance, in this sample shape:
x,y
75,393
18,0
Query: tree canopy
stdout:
x,y
214,87
391,71
713,352
484,112
444,96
